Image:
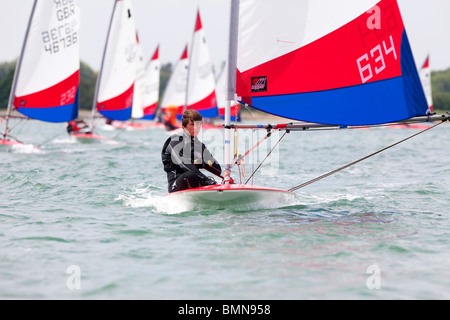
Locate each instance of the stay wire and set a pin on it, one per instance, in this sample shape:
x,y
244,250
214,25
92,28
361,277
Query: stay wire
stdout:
x,y
357,161
276,144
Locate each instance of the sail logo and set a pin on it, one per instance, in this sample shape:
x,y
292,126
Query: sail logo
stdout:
x,y
259,84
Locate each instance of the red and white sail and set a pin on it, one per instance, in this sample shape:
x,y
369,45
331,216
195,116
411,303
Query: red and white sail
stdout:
x,y
425,78
175,92
333,62
201,86
47,75
152,81
118,72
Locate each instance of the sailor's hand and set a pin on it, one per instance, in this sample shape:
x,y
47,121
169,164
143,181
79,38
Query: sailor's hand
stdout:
x,y
197,163
210,181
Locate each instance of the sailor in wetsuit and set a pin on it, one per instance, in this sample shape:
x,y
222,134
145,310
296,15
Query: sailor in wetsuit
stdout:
x,y
183,155
78,126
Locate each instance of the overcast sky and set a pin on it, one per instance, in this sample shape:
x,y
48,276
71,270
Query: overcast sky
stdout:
x,y
170,23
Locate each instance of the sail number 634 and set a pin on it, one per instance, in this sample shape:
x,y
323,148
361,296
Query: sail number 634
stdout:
x,y
376,62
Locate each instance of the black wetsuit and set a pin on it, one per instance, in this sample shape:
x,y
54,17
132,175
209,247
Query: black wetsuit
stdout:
x,y
179,154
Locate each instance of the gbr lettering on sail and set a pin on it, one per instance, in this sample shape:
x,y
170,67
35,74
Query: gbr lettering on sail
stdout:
x,y
64,32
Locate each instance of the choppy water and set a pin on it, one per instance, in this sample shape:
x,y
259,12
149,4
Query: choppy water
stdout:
x,y
90,221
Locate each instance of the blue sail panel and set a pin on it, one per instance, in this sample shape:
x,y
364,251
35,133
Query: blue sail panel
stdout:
x,y
120,115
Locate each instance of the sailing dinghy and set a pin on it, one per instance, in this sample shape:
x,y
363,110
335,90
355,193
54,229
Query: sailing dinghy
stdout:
x,y
174,96
151,89
113,97
201,86
327,64
139,94
425,78
46,80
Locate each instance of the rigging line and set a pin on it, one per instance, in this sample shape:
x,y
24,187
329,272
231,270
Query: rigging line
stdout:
x,y
276,144
252,148
52,138
357,161
121,130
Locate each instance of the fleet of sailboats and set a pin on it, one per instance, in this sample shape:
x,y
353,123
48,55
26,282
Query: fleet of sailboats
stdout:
x,y
192,84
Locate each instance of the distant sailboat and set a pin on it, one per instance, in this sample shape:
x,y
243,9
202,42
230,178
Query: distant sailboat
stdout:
x,y
201,86
151,88
137,110
192,83
139,93
46,80
174,96
425,77
115,86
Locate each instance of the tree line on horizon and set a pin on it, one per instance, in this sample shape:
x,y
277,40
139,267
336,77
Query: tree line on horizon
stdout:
x,y
440,83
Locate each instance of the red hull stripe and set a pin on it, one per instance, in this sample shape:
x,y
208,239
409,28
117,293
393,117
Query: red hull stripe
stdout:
x,y
235,187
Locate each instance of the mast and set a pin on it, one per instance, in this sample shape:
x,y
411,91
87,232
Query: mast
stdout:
x,y
190,61
231,84
94,103
16,73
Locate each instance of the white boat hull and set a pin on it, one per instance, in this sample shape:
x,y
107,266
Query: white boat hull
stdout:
x,y
233,195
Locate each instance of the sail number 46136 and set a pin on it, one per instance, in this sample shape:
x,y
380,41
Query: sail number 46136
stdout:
x,y
376,62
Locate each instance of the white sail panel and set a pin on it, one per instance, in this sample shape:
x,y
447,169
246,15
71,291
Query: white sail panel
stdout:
x,y
175,92
151,87
201,82
119,64
425,78
137,110
269,29
336,62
